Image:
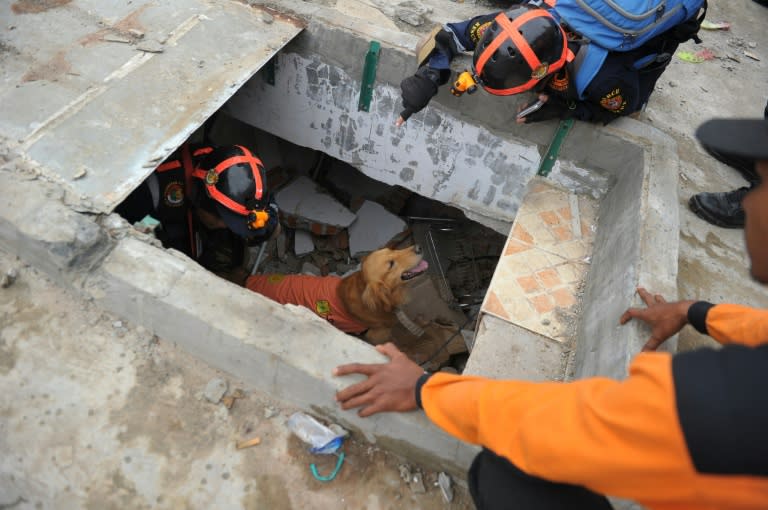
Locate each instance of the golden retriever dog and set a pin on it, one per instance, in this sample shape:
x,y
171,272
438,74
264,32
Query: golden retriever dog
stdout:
x,y
364,300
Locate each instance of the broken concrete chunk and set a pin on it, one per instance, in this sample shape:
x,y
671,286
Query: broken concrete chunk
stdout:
x,y
81,172
310,269
444,481
374,227
151,46
405,472
417,484
411,12
214,390
9,278
270,412
116,38
302,243
282,245
304,204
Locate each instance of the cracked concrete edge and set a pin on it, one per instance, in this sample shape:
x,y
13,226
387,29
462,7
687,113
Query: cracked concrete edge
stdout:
x,y
38,227
660,241
620,261
331,17
285,351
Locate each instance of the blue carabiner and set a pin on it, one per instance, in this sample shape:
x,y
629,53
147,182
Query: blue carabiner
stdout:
x,y
333,474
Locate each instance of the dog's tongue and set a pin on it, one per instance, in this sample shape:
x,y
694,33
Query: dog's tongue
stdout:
x,y
418,268
415,270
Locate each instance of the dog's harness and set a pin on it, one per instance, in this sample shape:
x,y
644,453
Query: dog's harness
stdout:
x,y
408,324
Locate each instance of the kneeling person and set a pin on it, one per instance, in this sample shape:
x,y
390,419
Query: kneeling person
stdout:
x,y
211,202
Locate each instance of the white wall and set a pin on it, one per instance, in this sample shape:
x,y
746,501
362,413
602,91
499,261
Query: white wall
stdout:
x,y
313,104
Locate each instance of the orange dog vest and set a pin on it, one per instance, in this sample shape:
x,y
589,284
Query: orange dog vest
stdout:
x,y
318,293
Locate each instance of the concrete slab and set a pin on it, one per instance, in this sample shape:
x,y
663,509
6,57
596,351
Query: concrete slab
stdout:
x,y
302,243
373,228
89,92
304,204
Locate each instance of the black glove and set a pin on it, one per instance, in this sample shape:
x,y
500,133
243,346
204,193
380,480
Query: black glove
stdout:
x,y
556,107
420,88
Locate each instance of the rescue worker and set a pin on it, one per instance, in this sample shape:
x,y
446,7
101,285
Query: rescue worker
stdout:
x,y
525,49
211,202
682,431
724,208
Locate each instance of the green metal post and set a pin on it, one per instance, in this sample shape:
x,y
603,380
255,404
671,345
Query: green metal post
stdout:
x,y
369,76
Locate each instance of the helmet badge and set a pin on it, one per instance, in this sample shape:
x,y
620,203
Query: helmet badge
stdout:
x,y
540,71
211,177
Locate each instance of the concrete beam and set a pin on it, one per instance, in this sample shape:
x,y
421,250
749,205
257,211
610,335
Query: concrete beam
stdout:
x,y
285,351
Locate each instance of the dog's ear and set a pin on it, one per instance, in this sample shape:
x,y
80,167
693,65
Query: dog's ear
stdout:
x,y
377,297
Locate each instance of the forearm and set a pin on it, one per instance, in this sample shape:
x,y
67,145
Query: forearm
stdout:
x,y
580,433
456,38
729,323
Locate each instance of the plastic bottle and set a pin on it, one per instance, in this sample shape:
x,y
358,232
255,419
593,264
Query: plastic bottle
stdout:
x,y
321,439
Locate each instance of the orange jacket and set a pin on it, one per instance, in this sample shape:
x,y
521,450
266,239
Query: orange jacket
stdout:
x,y
318,293
682,432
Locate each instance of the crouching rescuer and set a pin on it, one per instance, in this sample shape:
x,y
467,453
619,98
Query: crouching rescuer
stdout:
x,y
212,203
576,61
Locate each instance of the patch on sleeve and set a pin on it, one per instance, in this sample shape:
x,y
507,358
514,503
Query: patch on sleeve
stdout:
x,y
560,81
174,194
477,30
322,307
275,278
614,101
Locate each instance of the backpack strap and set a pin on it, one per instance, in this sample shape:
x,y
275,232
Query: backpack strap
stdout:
x,y
587,63
186,161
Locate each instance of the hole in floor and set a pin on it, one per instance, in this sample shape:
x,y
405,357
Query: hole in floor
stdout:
x,y
331,217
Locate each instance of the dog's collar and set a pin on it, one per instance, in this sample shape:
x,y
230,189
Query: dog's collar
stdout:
x,y
408,323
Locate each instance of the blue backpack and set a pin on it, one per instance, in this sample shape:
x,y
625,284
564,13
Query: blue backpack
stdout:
x,y
625,25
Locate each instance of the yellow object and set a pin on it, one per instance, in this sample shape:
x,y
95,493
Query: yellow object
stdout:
x,y
464,83
257,219
249,442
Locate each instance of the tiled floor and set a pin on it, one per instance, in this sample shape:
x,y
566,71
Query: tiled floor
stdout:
x,y
539,275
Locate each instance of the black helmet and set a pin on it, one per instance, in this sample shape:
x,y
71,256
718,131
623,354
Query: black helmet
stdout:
x,y
519,48
234,179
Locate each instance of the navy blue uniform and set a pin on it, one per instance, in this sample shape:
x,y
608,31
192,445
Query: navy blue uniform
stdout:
x,y
163,196
617,89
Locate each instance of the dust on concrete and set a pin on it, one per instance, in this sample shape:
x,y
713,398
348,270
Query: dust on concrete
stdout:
x,y
36,6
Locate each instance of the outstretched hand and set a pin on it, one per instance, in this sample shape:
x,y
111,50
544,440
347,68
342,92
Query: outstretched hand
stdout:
x,y
665,319
389,387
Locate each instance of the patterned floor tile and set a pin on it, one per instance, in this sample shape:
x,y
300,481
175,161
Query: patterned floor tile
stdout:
x,y
538,280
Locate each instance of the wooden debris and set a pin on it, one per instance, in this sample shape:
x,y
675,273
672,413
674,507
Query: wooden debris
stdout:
x,y
116,39
751,55
248,443
229,400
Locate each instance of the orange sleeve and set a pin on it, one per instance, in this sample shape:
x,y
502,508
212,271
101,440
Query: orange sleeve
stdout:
x,y
737,324
621,438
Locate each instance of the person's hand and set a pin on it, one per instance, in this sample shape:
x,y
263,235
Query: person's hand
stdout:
x,y
665,319
389,386
555,107
522,120
417,90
